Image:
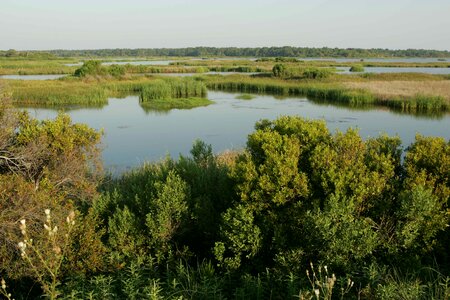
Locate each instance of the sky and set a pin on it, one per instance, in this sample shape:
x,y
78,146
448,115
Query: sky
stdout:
x,y
95,24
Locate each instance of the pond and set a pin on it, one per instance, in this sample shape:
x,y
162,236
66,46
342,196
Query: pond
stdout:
x,y
32,77
133,135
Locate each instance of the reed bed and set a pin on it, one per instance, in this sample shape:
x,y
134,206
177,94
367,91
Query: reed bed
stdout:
x,y
173,88
96,91
418,99
34,67
285,88
269,63
57,92
404,89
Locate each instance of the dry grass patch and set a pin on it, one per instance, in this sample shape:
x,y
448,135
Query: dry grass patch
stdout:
x,y
404,89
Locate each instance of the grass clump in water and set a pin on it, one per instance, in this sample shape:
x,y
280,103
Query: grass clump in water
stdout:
x,y
165,94
173,88
357,68
245,97
175,103
419,103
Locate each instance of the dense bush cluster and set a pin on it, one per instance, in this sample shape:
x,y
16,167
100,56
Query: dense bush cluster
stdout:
x,y
95,68
285,72
300,213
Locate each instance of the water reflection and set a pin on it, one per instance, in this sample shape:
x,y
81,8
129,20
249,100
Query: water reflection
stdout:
x,y
134,134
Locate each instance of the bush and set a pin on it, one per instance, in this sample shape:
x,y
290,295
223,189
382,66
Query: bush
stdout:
x,y
357,68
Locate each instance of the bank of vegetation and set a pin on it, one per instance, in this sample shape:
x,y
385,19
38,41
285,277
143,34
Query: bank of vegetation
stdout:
x,y
286,51
300,213
323,85
92,85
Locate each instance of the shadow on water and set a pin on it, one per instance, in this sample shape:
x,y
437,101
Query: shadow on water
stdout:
x,y
420,114
428,114
153,111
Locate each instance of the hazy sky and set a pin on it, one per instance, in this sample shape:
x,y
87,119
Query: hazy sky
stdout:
x,y
93,24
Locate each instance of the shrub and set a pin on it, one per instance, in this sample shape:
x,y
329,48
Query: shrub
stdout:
x,y
357,68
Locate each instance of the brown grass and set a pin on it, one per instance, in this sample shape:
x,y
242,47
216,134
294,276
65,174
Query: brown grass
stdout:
x,y
228,157
404,89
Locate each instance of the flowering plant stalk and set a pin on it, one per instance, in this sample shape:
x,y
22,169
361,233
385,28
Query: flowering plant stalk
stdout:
x,y
46,263
3,290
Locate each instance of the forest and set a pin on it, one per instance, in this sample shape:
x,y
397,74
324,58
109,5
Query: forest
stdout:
x,y
244,52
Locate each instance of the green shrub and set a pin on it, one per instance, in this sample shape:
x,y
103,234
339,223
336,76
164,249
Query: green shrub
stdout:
x,y
90,67
357,68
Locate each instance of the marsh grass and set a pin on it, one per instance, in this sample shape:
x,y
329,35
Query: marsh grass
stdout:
x,y
332,92
57,93
357,68
170,93
34,67
95,91
351,93
404,88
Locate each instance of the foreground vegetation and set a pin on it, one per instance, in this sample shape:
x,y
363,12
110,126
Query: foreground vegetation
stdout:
x,y
300,213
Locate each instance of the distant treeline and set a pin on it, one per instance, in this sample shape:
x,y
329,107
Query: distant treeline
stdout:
x,y
253,52
27,54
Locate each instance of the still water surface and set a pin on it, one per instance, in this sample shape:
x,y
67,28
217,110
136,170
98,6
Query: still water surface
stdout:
x,y
32,77
133,135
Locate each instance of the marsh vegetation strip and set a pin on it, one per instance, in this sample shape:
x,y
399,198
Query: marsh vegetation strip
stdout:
x,y
206,73
133,63
134,134
390,60
389,89
442,71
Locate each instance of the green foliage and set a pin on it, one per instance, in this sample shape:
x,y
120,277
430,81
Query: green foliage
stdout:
x,y
281,71
357,68
51,164
277,52
327,91
421,216
173,88
317,73
95,68
427,162
174,93
159,208
337,197
199,228
241,238
168,210
418,103
90,67
156,94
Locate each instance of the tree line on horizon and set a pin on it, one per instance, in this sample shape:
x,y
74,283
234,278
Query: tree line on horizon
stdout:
x,y
286,51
